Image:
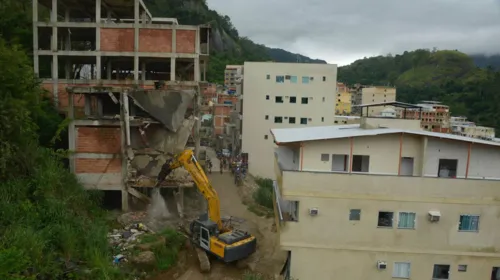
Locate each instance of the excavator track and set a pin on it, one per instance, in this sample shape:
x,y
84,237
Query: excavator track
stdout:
x,y
200,253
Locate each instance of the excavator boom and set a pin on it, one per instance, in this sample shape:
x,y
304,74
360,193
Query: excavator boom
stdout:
x,y
187,160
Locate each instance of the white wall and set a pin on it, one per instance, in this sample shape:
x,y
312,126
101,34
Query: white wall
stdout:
x,y
320,107
445,149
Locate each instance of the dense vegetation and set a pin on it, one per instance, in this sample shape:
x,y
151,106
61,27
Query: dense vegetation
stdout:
x,y
227,46
447,76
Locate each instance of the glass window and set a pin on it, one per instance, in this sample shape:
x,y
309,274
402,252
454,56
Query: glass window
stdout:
x,y
355,215
305,80
293,99
401,270
291,120
303,120
305,100
468,223
406,220
278,119
280,79
293,79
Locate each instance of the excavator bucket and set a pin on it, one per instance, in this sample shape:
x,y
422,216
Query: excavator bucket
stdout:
x,y
164,172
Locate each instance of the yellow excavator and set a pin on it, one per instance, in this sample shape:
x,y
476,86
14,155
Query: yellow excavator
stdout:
x,y
208,232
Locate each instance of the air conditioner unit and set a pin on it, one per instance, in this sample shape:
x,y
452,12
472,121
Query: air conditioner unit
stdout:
x,y
381,265
434,216
313,211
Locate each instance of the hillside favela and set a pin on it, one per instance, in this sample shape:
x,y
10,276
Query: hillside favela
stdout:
x,y
261,140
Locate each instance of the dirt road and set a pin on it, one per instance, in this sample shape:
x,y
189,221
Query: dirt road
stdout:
x,y
267,260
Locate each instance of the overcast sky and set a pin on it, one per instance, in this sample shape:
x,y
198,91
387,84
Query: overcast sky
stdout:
x,y
341,31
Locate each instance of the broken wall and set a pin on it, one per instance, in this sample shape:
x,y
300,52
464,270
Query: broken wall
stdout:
x,y
150,146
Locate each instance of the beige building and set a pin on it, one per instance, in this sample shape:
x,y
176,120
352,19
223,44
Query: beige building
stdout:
x,y
464,127
280,95
371,95
340,120
232,74
361,202
343,103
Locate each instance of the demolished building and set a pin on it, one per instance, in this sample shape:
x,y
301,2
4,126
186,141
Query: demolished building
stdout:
x,y
131,89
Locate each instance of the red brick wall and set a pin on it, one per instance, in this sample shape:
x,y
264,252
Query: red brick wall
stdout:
x,y
155,40
222,110
185,41
223,98
117,39
98,165
105,140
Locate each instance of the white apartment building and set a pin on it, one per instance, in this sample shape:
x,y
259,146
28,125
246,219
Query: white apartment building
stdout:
x,y
281,95
362,202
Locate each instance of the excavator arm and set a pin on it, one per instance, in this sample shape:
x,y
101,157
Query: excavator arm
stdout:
x,y
187,160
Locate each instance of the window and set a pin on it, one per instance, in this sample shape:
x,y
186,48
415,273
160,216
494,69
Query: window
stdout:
x,y
324,79
293,79
468,223
406,220
267,97
293,99
360,163
323,99
335,121
280,79
462,267
401,270
325,157
495,273
265,136
303,120
322,119
291,120
267,117
278,99
305,100
268,77
441,271
447,168
340,163
385,219
354,214
305,80
278,119
287,77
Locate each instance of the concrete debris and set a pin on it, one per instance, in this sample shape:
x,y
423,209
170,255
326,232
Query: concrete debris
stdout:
x,y
166,106
144,258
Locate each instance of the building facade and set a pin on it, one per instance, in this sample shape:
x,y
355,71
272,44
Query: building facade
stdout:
x,y
231,76
283,95
102,54
385,203
464,127
343,103
434,116
370,95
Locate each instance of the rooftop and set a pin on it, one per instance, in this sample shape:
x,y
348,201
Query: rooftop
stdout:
x,y
392,103
84,8
291,135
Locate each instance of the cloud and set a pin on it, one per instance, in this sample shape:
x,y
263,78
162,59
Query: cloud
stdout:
x,y
341,31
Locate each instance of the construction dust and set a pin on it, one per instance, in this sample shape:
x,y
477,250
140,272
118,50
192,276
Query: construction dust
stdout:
x,y
158,207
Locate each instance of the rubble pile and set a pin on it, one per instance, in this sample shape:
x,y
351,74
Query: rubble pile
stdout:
x,y
126,240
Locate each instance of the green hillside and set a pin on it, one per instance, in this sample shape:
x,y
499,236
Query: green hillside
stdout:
x,y
448,76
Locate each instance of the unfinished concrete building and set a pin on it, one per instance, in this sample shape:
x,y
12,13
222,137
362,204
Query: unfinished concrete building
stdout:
x,y
128,81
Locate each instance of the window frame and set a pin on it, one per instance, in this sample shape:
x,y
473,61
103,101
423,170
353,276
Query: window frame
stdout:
x,y
395,265
306,100
325,157
277,97
303,119
351,215
290,120
378,219
276,118
305,79
280,79
294,99
414,220
469,215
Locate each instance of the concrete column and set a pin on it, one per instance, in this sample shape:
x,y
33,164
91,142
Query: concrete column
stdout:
x,y
108,15
124,190
143,71
71,132
98,39
67,15
67,69
425,140
54,48
204,70
174,39
197,69
36,62
136,41
198,41
172,69
108,69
